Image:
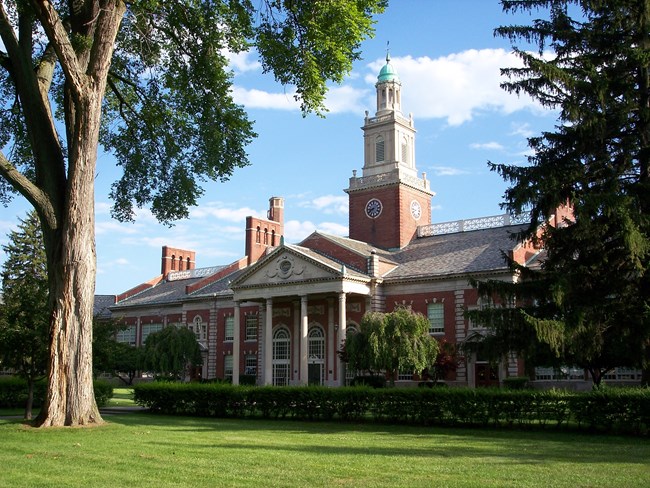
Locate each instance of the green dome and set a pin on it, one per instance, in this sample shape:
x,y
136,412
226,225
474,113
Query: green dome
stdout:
x,y
387,73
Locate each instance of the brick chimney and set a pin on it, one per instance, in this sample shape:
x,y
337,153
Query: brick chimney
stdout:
x,y
175,259
262,234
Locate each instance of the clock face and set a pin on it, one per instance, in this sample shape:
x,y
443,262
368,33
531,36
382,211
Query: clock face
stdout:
x,y
416,210
373,208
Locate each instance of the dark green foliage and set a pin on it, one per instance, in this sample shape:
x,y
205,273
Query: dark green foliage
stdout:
x,y
373,380
24,317
607,410
171,352
14,392
515,382
588,305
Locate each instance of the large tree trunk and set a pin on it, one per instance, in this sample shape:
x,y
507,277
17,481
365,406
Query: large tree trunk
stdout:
x,y
71,254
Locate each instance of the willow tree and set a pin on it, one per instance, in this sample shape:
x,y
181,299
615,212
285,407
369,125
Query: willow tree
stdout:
x,y
589,302
149,80
391,342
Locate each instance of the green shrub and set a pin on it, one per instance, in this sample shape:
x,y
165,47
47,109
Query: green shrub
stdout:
x,y
373,381
609,410
515,382
13,392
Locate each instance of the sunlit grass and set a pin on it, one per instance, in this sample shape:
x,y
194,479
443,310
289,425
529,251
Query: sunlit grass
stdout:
x,y
122,397
143,450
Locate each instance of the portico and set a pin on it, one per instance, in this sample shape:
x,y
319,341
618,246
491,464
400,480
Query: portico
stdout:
x,y
303,315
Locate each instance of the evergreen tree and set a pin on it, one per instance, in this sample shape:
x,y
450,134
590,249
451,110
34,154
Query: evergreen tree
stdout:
x,y
588,302
24,311
149,80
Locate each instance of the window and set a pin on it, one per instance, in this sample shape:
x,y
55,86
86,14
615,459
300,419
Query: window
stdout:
x,y
281,357
127,335
227,368
199,328
230,329
379,149
250,364
173,262
405,151
316,346
405,376
150,329
252,321
436,316
257,234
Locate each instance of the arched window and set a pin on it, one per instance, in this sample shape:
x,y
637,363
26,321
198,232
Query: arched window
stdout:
x,y
273,237
379,149
281,357
173,262
266,237
257,235
180,263
200,329
188,263
316,346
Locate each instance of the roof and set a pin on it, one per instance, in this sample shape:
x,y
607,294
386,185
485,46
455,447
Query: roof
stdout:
x,y
387,73
101,304
475,251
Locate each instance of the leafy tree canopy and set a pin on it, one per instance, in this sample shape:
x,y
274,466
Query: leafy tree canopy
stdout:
x,y
171,351
588,301
391,342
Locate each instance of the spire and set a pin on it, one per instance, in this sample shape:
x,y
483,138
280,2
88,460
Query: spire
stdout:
x,y
388,73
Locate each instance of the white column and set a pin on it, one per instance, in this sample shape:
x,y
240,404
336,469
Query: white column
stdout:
x,y
304,324
268,343
236,344
341,337
331,341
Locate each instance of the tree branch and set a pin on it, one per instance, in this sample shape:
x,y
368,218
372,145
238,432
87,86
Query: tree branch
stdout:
x,y
29,190
60,40
108,25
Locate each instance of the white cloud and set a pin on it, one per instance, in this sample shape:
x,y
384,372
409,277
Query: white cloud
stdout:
x,y
345,98
487,145
334,228
296,231
522,129
221,211
113,227
242,62
329,204
448,171
253,98
458,86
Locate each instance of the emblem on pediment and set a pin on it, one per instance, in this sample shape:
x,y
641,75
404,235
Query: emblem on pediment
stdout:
x,y
285,267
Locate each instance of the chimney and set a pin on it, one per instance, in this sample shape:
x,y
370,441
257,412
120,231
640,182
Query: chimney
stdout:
x,y
262,234
175,259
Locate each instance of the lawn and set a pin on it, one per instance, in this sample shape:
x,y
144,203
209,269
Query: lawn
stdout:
x,y
144,450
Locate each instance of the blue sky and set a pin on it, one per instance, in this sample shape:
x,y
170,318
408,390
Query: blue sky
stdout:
x,y
448,61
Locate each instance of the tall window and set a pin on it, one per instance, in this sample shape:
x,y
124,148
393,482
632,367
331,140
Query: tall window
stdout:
x,y
173,262
281,357
230,329
227,367
252,321
127,335
316,346
258,234
199,328
436,316
150,329
379,149
250,364
405,150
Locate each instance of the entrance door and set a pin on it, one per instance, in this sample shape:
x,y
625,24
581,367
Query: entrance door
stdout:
x,y
486,375
315,373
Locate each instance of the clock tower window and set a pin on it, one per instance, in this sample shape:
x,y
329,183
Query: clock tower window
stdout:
x,y
379,149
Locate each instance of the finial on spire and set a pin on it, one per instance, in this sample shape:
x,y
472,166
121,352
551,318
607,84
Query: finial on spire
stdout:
x,y
387,51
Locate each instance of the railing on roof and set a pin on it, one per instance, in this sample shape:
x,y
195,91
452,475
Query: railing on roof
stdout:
x,y
192,273
467,225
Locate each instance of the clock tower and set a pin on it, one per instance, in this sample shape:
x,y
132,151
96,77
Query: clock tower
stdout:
x,y
389,201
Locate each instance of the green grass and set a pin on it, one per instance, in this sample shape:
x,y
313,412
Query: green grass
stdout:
x,y
122,397
144,450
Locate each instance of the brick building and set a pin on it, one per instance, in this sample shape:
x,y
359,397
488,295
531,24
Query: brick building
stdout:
x,y
281,311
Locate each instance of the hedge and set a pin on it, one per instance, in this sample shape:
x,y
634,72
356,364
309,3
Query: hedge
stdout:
x,y
13,392
607,410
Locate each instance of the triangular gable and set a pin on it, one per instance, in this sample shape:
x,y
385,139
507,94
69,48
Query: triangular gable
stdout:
x,y
286,265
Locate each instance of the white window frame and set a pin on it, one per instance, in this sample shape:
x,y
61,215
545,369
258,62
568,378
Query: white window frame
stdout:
x,y
229,329
437,321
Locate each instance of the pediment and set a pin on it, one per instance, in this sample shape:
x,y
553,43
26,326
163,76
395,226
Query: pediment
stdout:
x,y
286,266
